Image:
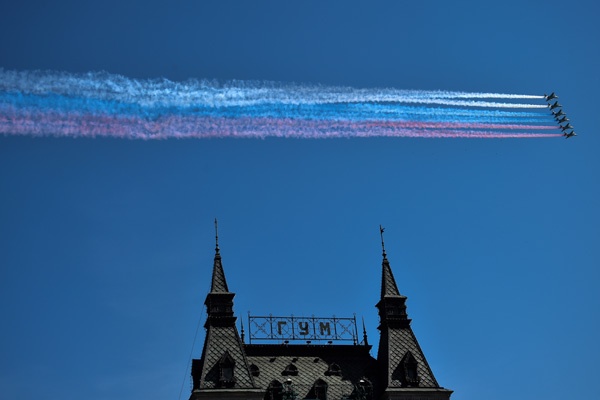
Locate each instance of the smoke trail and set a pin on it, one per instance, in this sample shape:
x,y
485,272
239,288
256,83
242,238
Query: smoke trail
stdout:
x,y
355,111
42,103
236,93
40,124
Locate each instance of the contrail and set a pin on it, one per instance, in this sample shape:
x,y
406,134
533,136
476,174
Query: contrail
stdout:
x,y
42,103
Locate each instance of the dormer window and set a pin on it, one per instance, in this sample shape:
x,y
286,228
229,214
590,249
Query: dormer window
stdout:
x,y
274,391
334,369
319,390
254,370
226,367
291,369
410,375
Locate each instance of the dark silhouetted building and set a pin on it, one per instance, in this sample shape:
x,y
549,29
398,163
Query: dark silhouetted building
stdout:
x,y
321,369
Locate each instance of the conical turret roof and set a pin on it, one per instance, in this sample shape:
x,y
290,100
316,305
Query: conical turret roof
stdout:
x,y
219,283
388,283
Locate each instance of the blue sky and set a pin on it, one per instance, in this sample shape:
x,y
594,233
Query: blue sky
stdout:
x,y
106,245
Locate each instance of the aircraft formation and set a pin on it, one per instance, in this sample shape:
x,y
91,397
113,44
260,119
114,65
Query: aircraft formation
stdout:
x,y
559,115
46,103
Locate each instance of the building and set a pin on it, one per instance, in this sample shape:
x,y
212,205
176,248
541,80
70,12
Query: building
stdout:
x,y
229,368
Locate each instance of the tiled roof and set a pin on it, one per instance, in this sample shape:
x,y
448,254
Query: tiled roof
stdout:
x,y
218,341
388,283
219,284
401,341
339,367
313,363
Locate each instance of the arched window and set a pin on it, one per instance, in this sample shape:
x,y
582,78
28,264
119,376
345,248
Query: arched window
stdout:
x,y
274,391
291,369
333,369
318,391
254,371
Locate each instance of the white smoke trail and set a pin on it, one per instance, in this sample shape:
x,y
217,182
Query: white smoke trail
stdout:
x,y
165,93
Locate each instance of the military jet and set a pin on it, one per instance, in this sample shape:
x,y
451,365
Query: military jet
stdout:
x,y
558,114
567,126
555,105
563,119
550,96
569,134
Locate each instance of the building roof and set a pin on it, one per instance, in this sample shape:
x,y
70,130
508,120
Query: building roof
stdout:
x,y
218,283
324,371
220,341
388,283
341,367
402,341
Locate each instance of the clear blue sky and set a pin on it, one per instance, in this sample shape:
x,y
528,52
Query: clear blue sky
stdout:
x,y
106,245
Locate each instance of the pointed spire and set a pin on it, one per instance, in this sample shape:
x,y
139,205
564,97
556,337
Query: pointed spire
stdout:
x,y
219,284
364,332
388,283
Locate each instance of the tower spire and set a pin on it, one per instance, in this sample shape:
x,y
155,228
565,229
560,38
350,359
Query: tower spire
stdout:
x,y
219,284
223,366
405,372
388,283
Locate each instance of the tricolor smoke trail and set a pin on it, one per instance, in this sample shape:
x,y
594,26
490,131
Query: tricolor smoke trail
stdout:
x,y
100,104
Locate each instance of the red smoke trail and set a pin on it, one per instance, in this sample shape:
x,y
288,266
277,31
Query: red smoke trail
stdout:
x,y
174,126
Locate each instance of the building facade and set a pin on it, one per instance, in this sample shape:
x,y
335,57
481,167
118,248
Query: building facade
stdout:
x,y
229,368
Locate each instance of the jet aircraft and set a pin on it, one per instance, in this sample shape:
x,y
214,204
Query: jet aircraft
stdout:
x,y
569,134
555,105
558,114
567,126
563,119
550,96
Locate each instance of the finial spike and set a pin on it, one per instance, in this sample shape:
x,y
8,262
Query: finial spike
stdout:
x,y
242,326
364,332
381,229
217,236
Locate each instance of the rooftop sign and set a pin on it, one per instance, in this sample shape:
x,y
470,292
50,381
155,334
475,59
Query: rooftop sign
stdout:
x,y
306,329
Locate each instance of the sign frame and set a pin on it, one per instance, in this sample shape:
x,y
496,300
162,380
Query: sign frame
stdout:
x,y
307,329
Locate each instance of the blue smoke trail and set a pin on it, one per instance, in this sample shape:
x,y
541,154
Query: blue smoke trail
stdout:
x,y
55,102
